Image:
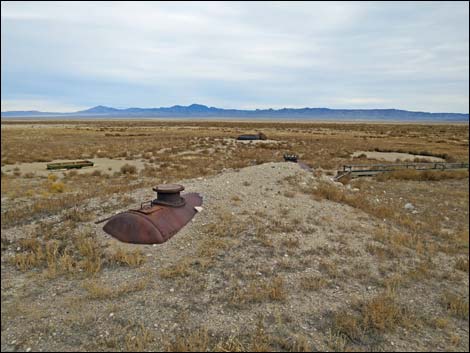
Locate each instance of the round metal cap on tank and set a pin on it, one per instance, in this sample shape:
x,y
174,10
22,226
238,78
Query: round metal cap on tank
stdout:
x,y
169,195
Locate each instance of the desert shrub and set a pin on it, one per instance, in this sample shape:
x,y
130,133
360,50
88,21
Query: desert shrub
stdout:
x,y
262,136
72,173
426,175
462,264
260,291
380,314
56,187
127,258
362,155
52,177
456,304
331,192
128,169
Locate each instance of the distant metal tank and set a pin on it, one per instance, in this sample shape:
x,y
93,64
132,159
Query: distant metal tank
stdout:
x,y
155,221
259,136
295,158
291,157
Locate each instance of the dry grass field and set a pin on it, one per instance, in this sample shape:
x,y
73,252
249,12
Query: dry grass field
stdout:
x,y
279,259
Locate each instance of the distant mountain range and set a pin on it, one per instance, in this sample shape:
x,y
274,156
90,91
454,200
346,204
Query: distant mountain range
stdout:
x,y
202,111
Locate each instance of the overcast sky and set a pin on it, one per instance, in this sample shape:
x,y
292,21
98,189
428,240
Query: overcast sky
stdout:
x,y
70,56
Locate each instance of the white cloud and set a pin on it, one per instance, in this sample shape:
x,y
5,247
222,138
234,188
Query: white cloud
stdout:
x,y
151,41
362,101
278,53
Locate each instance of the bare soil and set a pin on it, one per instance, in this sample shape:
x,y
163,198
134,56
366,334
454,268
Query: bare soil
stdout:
x,y
279,259
104,165
396,156
301,238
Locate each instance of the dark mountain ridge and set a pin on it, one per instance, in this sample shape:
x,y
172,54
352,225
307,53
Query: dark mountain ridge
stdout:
x,y
202,111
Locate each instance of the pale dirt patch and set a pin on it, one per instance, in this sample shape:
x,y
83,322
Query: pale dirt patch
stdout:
x,y
104,165
393,156
35,125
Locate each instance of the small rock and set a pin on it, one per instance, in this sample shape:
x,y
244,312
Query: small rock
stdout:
x,y
198,208
111,314
409,206
172,290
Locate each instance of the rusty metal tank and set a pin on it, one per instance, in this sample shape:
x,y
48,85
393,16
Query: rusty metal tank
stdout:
x,y
295,158
157,220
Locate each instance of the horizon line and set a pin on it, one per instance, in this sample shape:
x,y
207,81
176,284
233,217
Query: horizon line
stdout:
x,y
214,107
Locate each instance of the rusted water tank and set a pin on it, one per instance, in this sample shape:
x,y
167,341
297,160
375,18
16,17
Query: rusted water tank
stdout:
x,y
295,158
291,157
258,136
155,221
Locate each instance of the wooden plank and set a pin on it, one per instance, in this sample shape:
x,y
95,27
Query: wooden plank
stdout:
x,y
70,165
373,169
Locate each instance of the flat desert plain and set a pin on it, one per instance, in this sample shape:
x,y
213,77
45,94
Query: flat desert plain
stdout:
x,y
280,258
